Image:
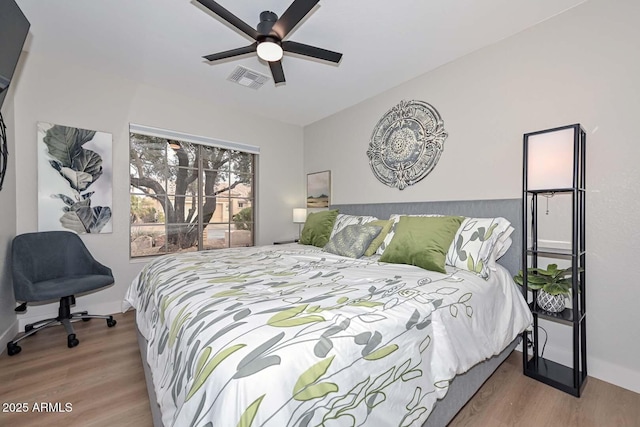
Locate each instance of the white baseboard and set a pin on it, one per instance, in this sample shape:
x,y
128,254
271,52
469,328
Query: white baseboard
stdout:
x,y
614,374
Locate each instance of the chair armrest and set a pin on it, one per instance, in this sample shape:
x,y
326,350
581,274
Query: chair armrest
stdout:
x,y
101,269
22,287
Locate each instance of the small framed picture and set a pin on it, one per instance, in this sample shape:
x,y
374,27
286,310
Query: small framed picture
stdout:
x,y
319,189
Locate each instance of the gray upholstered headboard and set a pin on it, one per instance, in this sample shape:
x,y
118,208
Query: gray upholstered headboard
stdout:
x,y
510,209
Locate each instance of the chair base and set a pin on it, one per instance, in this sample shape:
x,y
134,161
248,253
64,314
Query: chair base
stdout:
x,y
65,317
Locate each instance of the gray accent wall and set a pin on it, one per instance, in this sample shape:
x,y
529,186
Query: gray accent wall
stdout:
x,y
581,66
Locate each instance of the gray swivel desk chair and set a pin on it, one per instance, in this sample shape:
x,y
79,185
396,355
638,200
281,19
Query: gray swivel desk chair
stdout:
x,y
50,265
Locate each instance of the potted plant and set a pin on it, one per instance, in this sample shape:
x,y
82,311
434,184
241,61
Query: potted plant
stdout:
x,y
553,285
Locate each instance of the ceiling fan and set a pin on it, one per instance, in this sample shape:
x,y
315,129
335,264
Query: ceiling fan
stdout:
x,y
269,35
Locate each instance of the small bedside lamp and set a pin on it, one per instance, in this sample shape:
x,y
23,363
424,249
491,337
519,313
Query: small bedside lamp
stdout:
x,y
299,217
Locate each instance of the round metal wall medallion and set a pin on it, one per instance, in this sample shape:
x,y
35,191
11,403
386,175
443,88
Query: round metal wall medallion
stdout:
x,y
406,144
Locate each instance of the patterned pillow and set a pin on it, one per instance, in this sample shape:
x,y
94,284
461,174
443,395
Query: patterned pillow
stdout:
x,y
500,249
375,243
343,220
352,240
504,243
474,243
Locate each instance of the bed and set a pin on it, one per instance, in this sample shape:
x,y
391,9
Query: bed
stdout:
x,y
290,335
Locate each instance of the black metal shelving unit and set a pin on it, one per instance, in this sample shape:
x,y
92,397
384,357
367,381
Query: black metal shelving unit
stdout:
x,y
568,379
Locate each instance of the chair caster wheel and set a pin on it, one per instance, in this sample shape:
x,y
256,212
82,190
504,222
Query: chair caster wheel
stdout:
x,y
84,313
29,328
13,349
72,341
111,322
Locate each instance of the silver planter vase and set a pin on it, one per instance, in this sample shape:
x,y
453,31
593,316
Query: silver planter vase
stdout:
x,y
550,303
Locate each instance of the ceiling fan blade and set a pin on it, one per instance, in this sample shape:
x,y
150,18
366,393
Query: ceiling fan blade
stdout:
x,y
277,72
230,18
314,52
231,53
294,14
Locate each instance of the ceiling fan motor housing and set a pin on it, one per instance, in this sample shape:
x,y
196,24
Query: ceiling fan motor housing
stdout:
x,y
267,19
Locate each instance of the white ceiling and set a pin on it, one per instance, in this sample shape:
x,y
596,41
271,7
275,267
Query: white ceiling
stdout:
x,y
161,43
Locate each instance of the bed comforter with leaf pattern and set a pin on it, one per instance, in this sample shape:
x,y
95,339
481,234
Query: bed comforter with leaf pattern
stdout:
x,y
285,336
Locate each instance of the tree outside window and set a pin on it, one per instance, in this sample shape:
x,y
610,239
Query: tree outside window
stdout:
x,y
187,196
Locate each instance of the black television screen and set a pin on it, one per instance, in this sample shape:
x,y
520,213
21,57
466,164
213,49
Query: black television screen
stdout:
x,y
13,32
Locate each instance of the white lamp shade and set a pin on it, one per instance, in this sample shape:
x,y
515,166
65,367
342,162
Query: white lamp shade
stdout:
x,y
550,158
270,51
299,215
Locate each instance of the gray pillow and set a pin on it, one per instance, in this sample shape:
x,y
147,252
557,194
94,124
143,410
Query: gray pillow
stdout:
x,y
353,240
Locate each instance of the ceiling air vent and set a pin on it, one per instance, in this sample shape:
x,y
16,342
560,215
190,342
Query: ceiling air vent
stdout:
x,y
248,78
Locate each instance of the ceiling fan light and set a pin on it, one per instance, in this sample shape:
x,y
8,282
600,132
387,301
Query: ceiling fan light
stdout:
x,y
270,51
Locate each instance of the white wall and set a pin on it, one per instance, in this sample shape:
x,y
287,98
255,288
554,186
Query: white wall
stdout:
x,y
579,67
73,94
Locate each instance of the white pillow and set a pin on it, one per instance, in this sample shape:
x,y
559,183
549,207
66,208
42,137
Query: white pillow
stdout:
x,y
503,244
342,220
493,258
475,242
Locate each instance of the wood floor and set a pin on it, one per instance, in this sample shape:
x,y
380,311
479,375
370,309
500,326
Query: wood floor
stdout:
x,y
103,381
102,378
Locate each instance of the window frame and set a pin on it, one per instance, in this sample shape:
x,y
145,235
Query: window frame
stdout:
x,y
201,198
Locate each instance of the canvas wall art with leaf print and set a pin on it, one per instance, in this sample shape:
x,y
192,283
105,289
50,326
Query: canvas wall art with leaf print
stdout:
x,y
74,179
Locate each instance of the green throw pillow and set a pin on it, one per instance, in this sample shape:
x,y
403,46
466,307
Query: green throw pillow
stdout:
x,y
352,240
375,243
317,228
422,241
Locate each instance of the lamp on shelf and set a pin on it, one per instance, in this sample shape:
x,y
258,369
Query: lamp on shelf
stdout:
x,y
299,217
551,160
554,163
